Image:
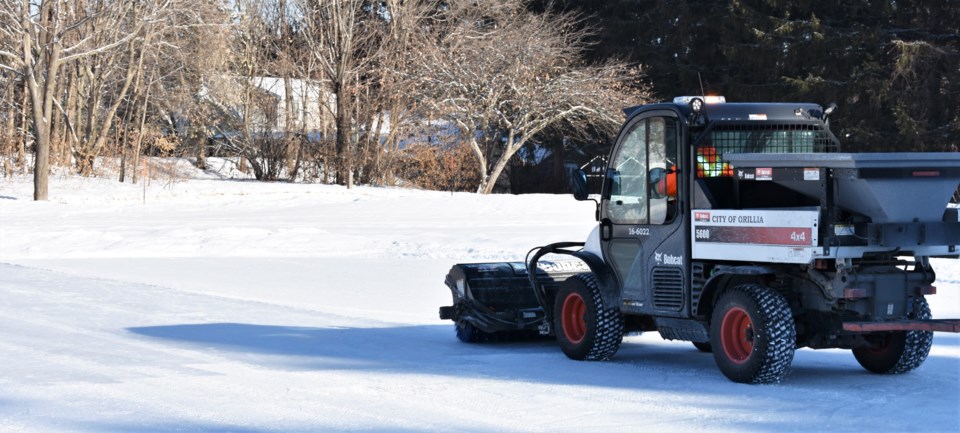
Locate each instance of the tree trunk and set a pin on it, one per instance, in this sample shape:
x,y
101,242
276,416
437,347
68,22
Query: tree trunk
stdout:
x,y
56,134
21,160
344,158
8,129
143,121
71,116
100,130
289,124
128,118
201,146
41,96
491,181
481,161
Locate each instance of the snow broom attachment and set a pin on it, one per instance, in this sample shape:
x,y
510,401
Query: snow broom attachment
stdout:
x,y
495,301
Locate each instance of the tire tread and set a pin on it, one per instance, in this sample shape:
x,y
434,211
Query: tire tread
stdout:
x,y
608,332
776,337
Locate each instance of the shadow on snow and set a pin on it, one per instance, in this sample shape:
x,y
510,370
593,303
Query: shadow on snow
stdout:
x,y
432,349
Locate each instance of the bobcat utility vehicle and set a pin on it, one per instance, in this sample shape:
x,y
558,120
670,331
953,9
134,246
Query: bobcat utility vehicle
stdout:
x,y
739,227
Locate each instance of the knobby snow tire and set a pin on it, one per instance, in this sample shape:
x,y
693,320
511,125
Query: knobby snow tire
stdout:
x,y
761,334
600,333
898,351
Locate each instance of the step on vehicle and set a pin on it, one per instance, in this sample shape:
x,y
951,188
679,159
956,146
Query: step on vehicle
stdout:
x,y
741,228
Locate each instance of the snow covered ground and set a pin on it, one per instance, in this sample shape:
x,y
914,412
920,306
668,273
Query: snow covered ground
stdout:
x,y
209,305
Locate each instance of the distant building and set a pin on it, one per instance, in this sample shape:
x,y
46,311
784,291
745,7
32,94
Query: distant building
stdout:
x,y
313,106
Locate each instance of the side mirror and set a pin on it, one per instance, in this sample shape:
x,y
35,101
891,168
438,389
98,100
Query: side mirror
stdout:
x,y
581,190
578,183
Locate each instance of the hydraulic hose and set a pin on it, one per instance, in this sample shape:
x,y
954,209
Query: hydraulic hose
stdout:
x,y
531,264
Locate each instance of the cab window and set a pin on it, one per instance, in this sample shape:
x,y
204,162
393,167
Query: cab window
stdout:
x,y
643,173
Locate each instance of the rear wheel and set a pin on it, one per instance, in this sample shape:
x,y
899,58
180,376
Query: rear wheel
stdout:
x,y
586,328
753,334
898,351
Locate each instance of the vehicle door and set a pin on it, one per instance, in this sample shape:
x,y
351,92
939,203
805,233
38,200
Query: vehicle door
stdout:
x,y
641,214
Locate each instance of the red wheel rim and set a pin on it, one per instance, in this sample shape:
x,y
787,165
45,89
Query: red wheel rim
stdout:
x,y
736,335
571,317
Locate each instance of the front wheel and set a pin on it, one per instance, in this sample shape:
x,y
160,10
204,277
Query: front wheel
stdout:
x,y
586,328
753,335
898,351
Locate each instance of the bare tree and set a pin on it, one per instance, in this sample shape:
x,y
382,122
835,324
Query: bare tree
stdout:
x,y
53,33
246,113
11,137
388,105
165,108
90,78
342,35
109,76
502,75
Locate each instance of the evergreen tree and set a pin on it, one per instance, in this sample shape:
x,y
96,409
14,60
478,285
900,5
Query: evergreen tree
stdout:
x,y
892,67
